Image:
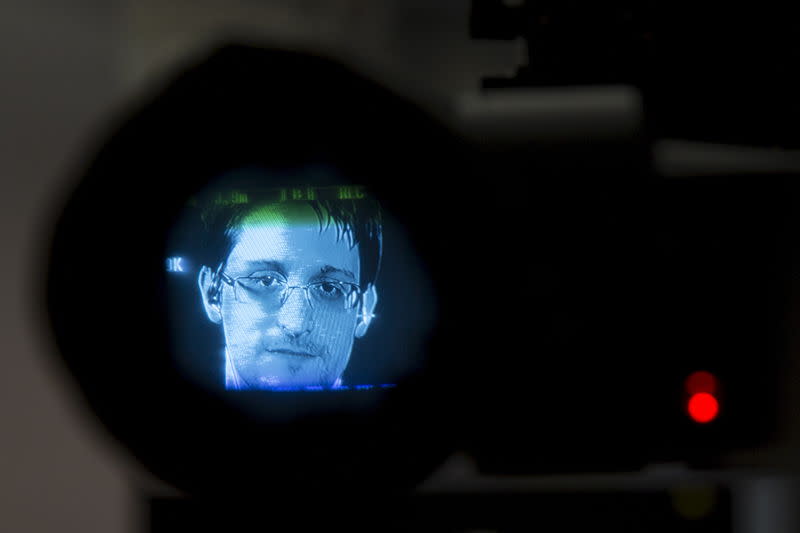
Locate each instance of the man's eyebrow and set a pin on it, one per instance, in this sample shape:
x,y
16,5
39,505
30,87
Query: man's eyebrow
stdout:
x,y
328,269
256,265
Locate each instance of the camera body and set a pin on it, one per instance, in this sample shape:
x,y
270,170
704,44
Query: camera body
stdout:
x,y
570,289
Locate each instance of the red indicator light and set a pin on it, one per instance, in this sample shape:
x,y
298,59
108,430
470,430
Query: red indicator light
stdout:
x,y
701,381
703,407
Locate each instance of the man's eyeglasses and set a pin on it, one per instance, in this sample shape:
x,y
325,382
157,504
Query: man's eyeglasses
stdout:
x,y
272,290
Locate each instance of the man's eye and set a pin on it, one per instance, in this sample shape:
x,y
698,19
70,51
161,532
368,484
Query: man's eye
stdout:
x,y
329,290
266,281
260,282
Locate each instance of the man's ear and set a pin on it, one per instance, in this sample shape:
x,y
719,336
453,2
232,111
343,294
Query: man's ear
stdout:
x,y
365,315
210,293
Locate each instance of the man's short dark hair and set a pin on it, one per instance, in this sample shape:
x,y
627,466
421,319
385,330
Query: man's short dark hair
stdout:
x,y
239,193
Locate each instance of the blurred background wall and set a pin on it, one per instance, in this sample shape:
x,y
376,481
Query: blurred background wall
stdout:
x,y
58,82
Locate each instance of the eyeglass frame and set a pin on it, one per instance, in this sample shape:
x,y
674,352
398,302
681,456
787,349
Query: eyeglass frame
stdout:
x,y
220,274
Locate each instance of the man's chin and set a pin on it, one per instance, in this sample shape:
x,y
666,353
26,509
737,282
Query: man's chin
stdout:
x,y
274,371
284,378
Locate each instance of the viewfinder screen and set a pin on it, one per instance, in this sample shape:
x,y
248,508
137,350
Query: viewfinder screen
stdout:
x,y
306,287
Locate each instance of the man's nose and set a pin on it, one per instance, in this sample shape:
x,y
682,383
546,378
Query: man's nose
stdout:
x,y
294,315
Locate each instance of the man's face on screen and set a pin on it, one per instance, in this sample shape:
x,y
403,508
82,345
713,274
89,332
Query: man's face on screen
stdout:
x,y
289,307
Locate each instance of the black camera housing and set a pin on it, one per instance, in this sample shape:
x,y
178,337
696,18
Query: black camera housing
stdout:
x,y
107,283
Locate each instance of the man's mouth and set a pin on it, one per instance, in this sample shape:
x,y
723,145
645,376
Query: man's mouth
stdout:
x,y
295,353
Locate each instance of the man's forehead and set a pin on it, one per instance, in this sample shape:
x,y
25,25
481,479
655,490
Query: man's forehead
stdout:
x,y
278,233
284,218
281,214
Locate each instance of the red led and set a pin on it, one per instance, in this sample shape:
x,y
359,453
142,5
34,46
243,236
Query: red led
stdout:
x,y
701,381
703,407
